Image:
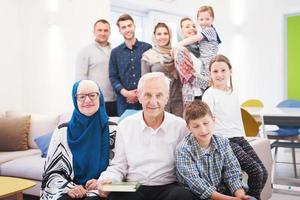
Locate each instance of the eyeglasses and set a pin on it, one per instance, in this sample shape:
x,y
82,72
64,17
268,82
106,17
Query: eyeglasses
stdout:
x,y
92,96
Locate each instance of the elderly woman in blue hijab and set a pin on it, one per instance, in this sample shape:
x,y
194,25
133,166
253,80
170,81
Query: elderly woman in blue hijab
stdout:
x,y
79,150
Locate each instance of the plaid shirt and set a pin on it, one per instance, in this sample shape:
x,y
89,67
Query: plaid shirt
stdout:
x,y
205,172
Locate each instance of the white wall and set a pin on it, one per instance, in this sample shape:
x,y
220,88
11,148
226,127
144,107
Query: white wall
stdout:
x,y
290,6
252,38
41,41
10,65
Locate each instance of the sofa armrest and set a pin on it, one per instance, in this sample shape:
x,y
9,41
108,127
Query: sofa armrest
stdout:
x,y
262,148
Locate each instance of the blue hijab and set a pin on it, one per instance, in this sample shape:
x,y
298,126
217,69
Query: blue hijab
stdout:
x,y
88,139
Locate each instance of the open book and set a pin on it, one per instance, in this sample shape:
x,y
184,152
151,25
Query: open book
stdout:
x,y
121,187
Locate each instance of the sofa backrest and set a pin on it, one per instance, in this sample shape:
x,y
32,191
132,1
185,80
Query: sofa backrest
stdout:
x,y
39,125
64,118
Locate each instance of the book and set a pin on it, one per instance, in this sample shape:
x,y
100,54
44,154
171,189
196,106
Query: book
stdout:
x,y
121,187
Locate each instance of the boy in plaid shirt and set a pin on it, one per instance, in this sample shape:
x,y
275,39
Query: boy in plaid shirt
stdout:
x,y
205,162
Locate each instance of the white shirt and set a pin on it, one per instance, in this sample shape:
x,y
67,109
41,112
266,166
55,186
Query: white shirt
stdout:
x,y
144,154
225,107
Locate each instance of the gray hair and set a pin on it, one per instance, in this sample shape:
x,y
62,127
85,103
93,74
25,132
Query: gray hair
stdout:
x,y
88,84
151,76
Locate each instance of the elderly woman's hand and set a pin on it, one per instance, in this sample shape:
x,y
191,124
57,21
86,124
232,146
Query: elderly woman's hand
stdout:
x,y
77,192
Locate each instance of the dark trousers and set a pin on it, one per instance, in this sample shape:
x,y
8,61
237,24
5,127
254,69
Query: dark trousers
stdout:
x,y
227,192
251,164
111,108
67,197
165,192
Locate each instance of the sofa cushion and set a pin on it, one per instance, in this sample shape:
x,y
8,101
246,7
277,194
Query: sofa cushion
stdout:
x,y
11,155
43,143
64,118
14,133
29,167
40,125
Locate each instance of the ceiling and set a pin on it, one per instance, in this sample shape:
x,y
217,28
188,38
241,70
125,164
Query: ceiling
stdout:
x,y
176,7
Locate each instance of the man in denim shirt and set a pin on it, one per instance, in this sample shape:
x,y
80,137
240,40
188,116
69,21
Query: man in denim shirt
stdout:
x,y
125,65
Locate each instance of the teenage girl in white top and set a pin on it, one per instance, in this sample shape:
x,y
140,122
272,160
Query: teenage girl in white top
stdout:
x,y
223,102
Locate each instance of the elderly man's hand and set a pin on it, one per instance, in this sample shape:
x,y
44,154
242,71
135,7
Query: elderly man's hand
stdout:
x,y
100,187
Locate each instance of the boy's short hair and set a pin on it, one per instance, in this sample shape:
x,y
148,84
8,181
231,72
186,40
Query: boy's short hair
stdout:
x,y
195,110
124,17
204,9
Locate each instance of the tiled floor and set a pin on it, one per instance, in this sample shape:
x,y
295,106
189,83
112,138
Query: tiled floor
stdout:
x,y
284,171
284,196
284,179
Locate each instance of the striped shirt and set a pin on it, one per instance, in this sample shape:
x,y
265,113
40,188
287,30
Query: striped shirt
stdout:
x,y
205,172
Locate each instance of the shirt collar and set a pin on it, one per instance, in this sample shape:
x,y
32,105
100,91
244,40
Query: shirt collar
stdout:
x,y
98,45
163,126
135,45
196,146
214,145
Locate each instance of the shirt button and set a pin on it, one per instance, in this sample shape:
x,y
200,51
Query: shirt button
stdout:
x,y
131,59
131,51
133,75
132,67
134,83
